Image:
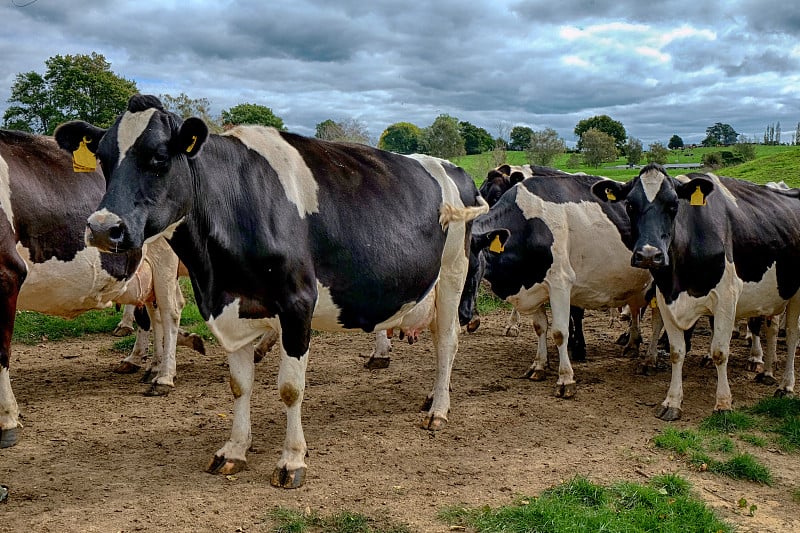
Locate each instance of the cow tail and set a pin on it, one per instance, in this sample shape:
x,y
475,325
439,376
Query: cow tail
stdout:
x,y
449,213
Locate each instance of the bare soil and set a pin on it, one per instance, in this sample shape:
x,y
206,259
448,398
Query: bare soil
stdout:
x,y
96,455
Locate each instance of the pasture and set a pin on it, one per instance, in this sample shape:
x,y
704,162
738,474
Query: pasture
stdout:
x,y
96,455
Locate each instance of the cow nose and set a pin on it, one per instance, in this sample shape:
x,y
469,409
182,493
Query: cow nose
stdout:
x,y
648,257
105,231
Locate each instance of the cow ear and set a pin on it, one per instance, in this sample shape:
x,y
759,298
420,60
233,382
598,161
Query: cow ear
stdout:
x,y
70,135
610,190
192,135
695,190
504,169
516,177
494,240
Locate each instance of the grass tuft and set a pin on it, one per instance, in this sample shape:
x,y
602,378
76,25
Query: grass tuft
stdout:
x,y
743,466
291,521
727,422
777,407
679,441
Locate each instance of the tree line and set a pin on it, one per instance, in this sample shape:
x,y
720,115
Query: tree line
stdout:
x,y
84,87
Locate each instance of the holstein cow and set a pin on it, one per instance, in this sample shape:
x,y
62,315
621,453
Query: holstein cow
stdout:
x,y
563,245
288,232
733,253
44,208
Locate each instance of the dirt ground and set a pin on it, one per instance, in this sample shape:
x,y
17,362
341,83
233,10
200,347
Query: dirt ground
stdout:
x,y
96,455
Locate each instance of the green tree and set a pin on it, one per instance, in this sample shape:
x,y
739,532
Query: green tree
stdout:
x,y
598,147
605,124
400,137
675,142
191,107
251,114
720,134
545,145
78,87
476,140
520,137
745,151
658,153
442,138
633,151
350,130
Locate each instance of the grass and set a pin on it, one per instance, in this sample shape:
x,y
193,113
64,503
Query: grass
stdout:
x,y
664,504
290,521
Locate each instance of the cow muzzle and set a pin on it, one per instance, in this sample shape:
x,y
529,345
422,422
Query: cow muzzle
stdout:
x,y
106,231
648,257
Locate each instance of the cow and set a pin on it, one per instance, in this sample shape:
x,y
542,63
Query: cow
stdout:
x,y
45,265
287,232
717,246
549,238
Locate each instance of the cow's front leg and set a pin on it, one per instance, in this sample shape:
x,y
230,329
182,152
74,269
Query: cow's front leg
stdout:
x,y
290,471
631,348
720,350
559,306
649,364
670,408
766,371
786,387
231,457
538,369
514,323
10,282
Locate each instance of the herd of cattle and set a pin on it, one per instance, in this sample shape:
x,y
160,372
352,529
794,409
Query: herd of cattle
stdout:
x,y
281,234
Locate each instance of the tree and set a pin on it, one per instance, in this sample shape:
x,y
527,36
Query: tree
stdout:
x,y
476,140
598,147
251,114
350,130
79,87
720,134
658,153
191,107
520,138
633,151
442,138
400,137
745,151
545,145
675,142
605,124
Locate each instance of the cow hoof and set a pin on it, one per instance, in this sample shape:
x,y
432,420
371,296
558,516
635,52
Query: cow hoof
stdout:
x,y
646,369
566,391
765,379
147,377
157,389
473,325
122,331
754,366
9,437
512,331
225,467
286,479
126,368
630,351
426,404
622,340
536,375
783,393
668,414
433,423
377,363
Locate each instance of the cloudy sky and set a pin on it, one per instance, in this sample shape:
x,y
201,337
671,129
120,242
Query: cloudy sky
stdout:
x,y
660,67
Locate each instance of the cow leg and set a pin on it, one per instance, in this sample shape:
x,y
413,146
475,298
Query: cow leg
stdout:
x,y
576,345
766,371
265,344
231,458
157,331
786,387
290,471
12,274
755,361
379,358
559,306
631,348
513,326
649,364
670,408
537,371
720,350
125,326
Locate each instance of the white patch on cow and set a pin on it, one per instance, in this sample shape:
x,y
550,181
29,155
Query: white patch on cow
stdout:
x,y
5,192
651,183
326,312
296,178
233,332
722,188
67,288
131,126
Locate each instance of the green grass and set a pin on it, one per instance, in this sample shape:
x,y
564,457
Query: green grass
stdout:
x,y
290,521
34,328
664,504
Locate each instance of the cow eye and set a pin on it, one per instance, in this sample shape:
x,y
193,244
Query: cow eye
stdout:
x,y
630,209
672,209
159,161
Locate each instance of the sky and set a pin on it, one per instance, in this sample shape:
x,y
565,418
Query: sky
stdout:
x,y
661,68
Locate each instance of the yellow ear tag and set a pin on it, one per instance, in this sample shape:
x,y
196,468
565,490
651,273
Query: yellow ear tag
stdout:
x,y
496,245
191,146
610,195
653,303
697,197
83,160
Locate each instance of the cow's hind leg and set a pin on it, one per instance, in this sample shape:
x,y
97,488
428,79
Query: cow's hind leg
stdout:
x,y
786,387
12,274
566,387
290,471
538,369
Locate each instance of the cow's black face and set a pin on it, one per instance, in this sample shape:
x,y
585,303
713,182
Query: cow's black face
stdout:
x,y
144,156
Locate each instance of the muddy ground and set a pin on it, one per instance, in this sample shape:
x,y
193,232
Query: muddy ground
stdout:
x,y
96,455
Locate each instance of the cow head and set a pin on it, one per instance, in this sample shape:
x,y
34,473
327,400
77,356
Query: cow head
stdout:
x,y
652,201
482,243
145,157
498,181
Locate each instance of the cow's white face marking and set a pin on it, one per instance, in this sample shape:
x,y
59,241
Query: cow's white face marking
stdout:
x,y
293,173
651,183
5,192
130,128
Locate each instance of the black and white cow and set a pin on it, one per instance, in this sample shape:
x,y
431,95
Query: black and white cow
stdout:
x,y
283,231
564,246
44,207
733,253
